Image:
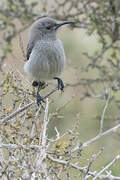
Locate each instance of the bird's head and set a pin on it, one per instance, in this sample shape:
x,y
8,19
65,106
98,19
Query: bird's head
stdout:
x,y
47,27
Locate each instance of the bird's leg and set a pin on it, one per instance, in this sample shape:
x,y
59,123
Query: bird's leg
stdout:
x,y
38,97
60,83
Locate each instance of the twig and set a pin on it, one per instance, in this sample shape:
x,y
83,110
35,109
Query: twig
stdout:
x,y
25,107
106,167
63,162
83,169
16,112
41,156
103,114
85,144
44,129
94,156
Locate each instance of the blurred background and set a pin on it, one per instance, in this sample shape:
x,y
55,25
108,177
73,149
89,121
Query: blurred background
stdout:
x,y
91,74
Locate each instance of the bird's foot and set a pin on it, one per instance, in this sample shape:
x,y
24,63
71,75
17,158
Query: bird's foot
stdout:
x,y
41,84
34,83
60,83
39,99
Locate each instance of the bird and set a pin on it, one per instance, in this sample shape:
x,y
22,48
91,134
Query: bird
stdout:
x,y
45,53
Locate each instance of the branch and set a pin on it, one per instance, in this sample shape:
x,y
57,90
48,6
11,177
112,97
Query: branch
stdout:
x,y
41,156
106,167
92,159
63,162
85,144
6,119
84,170
3,121
103,114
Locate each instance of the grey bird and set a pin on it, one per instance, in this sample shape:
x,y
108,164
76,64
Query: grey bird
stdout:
x,y
45,53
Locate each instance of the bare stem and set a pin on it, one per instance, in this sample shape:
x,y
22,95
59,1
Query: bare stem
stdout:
x,y
103,114
106,167
85,144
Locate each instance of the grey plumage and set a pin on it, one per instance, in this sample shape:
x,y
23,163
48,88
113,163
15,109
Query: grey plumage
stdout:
x,y
45,53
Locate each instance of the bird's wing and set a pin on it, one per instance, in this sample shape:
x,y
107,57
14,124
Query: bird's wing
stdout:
x,y
29,49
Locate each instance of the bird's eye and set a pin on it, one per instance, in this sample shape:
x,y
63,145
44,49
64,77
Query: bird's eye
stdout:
x,y
48,27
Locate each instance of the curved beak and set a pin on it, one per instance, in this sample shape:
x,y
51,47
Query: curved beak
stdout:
x,y
63,23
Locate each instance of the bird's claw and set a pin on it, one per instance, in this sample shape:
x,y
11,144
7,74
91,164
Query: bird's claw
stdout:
x,y
60,84
41,84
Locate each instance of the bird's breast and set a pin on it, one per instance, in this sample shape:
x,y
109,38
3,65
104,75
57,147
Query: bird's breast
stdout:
x,y
47,60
